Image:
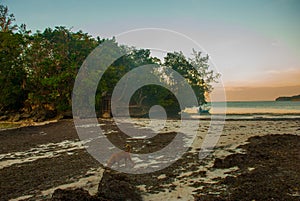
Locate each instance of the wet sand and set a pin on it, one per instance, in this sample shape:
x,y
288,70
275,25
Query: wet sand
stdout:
x,y
36,160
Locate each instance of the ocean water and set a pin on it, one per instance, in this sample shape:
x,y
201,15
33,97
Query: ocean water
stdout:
x,y
252,109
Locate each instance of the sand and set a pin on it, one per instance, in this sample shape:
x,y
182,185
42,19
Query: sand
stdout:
x,y
36,160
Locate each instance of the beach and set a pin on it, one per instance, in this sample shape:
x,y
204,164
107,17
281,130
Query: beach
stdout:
x,y
36,160
113,101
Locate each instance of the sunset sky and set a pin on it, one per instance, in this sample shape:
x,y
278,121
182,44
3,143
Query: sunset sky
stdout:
x,y
255,45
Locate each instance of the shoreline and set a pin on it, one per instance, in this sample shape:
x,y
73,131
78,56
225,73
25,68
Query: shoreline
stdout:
x,y
21,124
226,117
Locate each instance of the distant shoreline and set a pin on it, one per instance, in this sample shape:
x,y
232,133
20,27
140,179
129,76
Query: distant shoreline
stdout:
x,y
8,125
236,110
288,98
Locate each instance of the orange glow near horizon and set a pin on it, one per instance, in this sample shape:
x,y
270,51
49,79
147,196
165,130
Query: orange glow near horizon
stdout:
x,y
260,93
265,88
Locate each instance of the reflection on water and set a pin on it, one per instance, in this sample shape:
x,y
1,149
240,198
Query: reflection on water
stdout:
x,y
253,109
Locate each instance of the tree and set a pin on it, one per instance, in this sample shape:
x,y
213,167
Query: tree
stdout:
x,y
6,20
195,70
54,58
12,72
40,69
133,59
201,64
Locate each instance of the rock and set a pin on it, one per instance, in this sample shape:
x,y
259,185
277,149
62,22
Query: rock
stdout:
x,y
67,115
208,198
25,116
117,186
71,195
40,118
39,115
16,117
228,180
218,163
230,161
113,186
50,114
4,118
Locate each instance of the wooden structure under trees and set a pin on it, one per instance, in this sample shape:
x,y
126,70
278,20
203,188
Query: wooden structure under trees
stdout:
x,y
106,106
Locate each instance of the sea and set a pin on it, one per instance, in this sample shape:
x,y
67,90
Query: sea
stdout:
x,y
249,110
236,110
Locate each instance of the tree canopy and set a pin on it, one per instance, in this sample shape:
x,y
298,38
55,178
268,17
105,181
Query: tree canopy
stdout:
x,y
38,70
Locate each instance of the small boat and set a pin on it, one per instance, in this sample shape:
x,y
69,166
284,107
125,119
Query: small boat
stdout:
x,y
203,109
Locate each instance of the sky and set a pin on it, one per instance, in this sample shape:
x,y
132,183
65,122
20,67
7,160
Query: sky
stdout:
x,y
254,45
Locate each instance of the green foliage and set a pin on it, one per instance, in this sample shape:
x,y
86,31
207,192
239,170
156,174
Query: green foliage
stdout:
x,y
39,69
150,95
54,58
12,72
134,58
195,70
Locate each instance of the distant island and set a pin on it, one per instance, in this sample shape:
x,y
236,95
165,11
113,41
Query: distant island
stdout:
x,y
286,98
